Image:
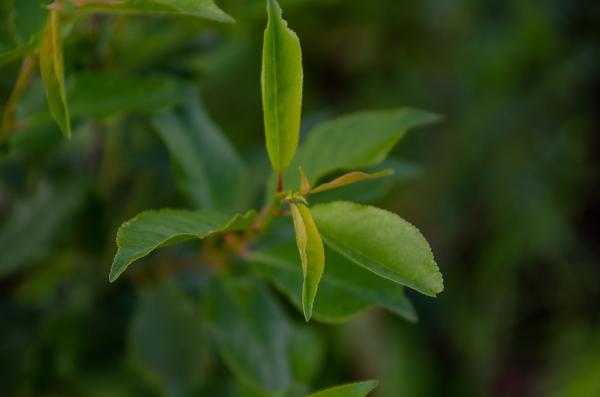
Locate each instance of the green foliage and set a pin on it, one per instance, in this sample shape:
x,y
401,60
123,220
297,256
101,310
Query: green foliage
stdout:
x,y
281,82
53,74
352,390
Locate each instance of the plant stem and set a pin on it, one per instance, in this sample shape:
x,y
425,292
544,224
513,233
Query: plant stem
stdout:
x,y
279,182
8,117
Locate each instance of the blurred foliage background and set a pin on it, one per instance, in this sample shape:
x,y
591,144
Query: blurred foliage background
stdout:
x,y
507,189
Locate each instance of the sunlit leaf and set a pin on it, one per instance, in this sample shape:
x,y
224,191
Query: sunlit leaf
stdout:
x,y
281,88
252,332
360,389
52,69
154,229
381,242
344,291
198,8
312,256
167,341
208,170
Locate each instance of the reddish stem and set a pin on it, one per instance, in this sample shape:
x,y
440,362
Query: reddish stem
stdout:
x,y
279,183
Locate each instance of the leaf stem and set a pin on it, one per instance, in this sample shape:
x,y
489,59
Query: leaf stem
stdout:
x,y
8,118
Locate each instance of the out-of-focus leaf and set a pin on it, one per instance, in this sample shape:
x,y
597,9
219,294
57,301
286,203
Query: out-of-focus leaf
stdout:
x,y
197,8
381,242
307,351
350,178
355,141
360,389
252,332
150,230
281,82
16,53
207,168
27,19
100,95
33,225
51,65
345,289
312,255
167,341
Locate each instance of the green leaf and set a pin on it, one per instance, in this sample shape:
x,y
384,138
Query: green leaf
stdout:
x,y
360,389
207,168
16,53
355,141
34,224
312,255
251,331
281,82
307,353
197,8
345,289
27,20
52,69
167,341
381,242
350,178
101,95
154,229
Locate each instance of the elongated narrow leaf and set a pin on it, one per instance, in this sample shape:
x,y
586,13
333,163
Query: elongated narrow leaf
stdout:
x,y
167,340
13,54
312,255
355,141
251,331
350,178
344,291
381,242
52,69
154,229
198,8
281,88
360,389
208,170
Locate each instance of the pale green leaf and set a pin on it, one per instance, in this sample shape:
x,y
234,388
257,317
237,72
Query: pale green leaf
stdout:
x,y
360,389
208,170
101,95
312,255
350,178
52,70
355,141
344,291
281,82
167,341
154,229
251,331
381,242
198,8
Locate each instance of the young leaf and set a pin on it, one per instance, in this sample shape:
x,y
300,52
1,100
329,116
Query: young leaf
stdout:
x,y
52,70
154,229
281,82
355,141
312,255
348,179
197,8
381,242
344,291
252,332
208,169
360,389
305,187
167,341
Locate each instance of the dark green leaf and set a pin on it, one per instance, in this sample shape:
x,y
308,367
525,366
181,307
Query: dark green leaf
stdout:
x,y
207,168
27,19
312,256
281,88
51,65
167,341
361,389
198,8
16,53
251,331
381,242
154,229
345,289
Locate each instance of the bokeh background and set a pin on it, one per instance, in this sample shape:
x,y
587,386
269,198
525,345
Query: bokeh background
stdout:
x,y
506,188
